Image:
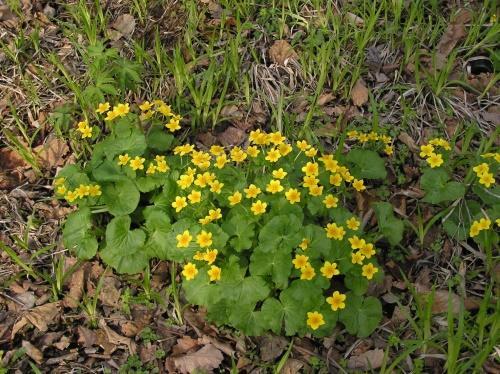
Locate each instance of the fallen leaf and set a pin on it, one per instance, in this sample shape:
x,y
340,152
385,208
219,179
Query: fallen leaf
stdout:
x,y
27,299
351,17
40,317
281,52
325,98
359,93
125,25
117,339
63,343
206,358
184,344
442,298
110,293
147,352
32,352
368,360
231,111
74,295
51,154
408,141
231,136
292,366
453,34
86,337
223,347
271,347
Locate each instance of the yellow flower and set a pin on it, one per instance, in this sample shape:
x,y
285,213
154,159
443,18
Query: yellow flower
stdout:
x,y
137,163
315,190
487,179
216,150
199,256
82,190
336,301
336,179
183,150
194,197
310,181
220,161
145,106
111,115
173,124
216,186
273,155
389,150
369,271
185,181
82,125
334,232
61,190
385,139
210,256
330,201
304,244
276,138
184,239
258,207
214,273
165,109
311,169
59,181
214,214
146,115
302,145
151,169
307,272
121,109
345,174
352,134
484,224
162,166
189,271
94,190
203,179
204,239
102,108
435,160
274,186
253,151
356,243
311,152
315,320
71,196
331,165
357,258
86,132
474,229
293,195
201,159
363,138
284,149
481,169
441,143
279,174
179,203
367,250
359,185
300,261
205,220
252,191
329,269
235,198
353,223
238,155
373,136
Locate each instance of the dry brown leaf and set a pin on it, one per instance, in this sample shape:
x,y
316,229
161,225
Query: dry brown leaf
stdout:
x,y
408,140
63,343
359,93
453,34
206,358
442,297
116,339
351,17
223,347
281,52
368,360
325,98
271,347
292,366
40,317
52,153
184,344
32,352
74,295
231,136
125,25
110,293
86,337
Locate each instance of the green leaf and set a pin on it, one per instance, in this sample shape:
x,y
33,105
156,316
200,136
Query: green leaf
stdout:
x,y
276,233
125,138
437,188
361,316
159,140
391,227
121,197
276,263
219,237
242,231
169,249
158,227
271,315
200,291
367,164
107,171
74,176
356,283
78,236
298,299
319,244
124,249
489,196
458,223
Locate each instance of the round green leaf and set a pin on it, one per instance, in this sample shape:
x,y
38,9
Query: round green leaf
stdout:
x,y
121,197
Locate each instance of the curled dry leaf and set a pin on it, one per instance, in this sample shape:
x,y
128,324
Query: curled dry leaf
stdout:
x,y
359,93
184,344
125,25
206,358
442,298
292,366
271,347
231,136
281,52
116,339
40,317
453,34
52,153
74,296
408,141
368,360
33,352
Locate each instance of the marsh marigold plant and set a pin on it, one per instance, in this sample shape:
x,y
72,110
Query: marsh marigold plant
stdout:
x,y
261,233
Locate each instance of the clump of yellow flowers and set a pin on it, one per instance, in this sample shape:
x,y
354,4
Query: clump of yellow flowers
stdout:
x,y
372,136
430,153
83,190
